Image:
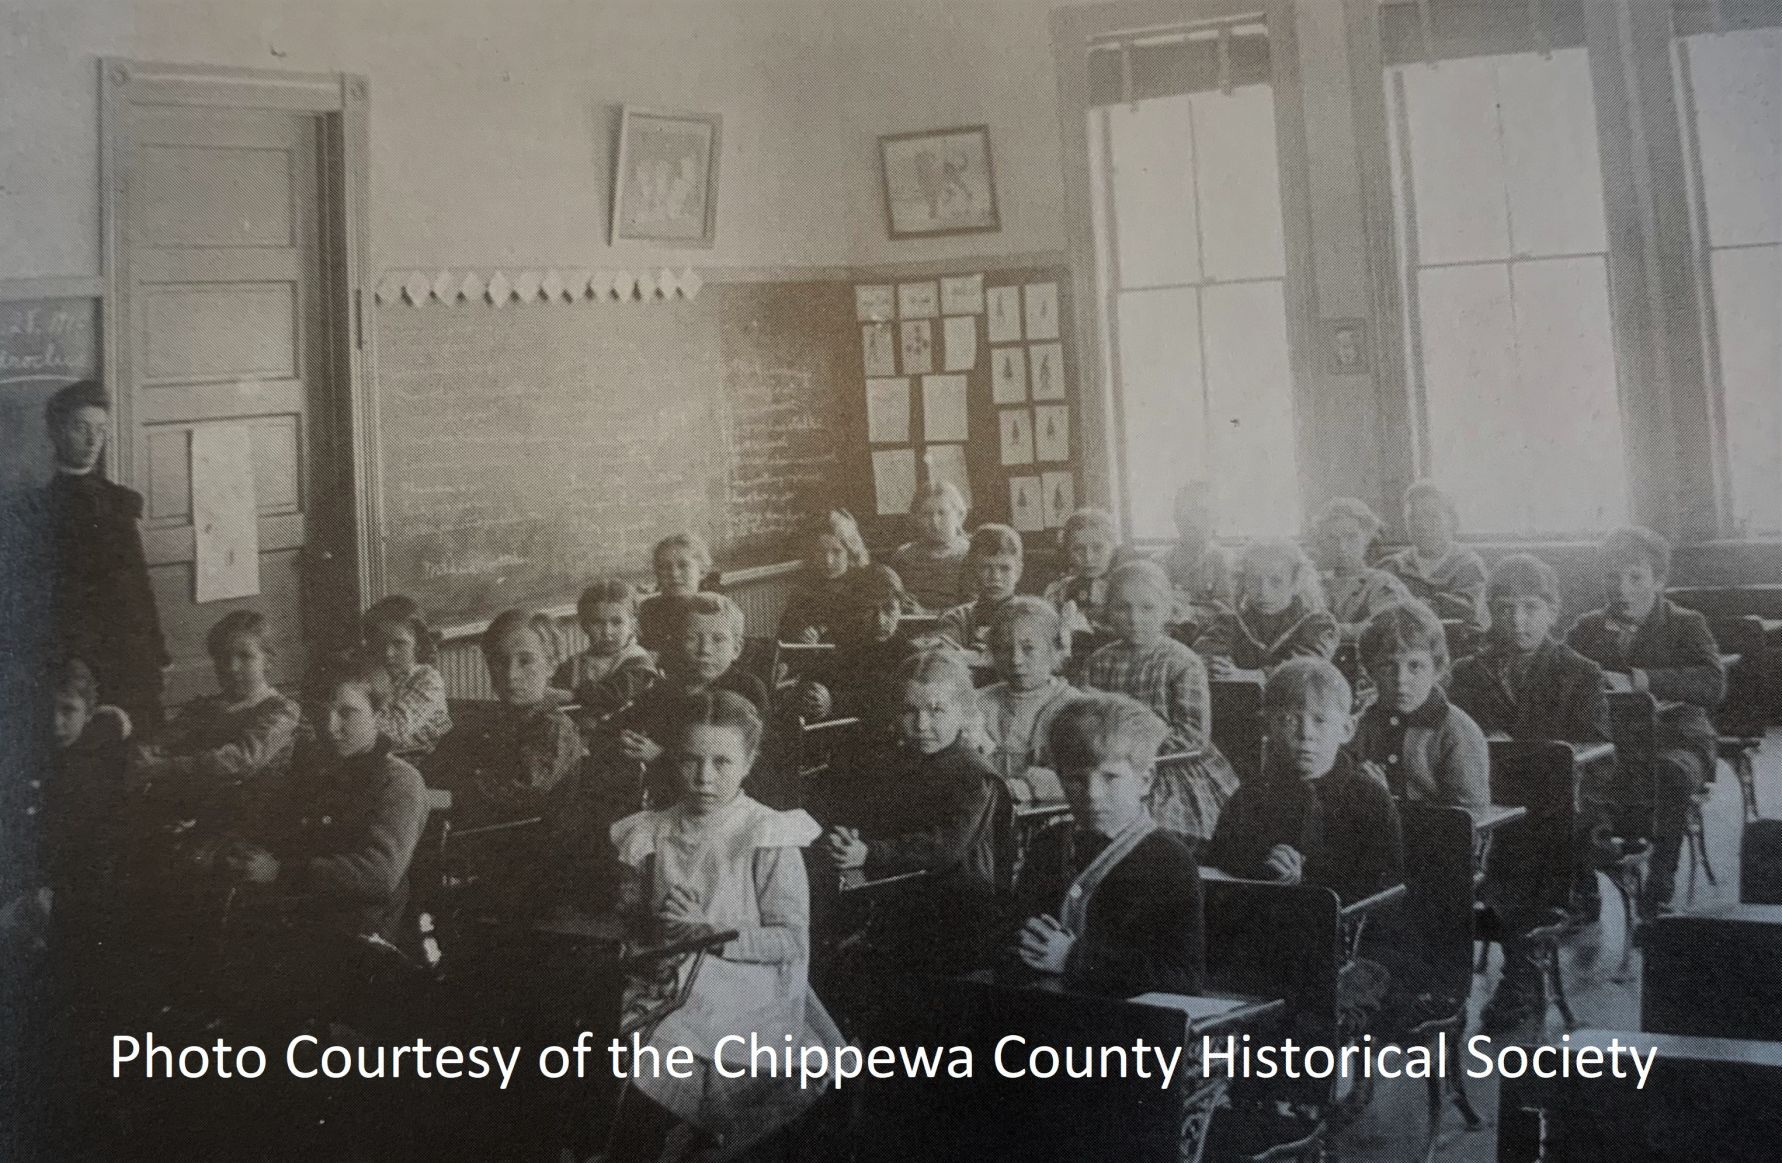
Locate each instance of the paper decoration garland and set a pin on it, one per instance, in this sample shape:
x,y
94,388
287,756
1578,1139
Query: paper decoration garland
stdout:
x,y
446,286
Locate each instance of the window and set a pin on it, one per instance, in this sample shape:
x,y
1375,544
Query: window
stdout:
x,y
1730,95
1504,276
1187,208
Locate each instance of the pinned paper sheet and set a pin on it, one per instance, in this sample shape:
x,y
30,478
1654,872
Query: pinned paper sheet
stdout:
x,y
888,411
1016,425
1008,375
1059,498
918,347
894,479
961,334
1026,513
1051,428
917,301
943,408
963,295
1045,367
1041,300
1005,313
874,304
946,462
879,343
225,517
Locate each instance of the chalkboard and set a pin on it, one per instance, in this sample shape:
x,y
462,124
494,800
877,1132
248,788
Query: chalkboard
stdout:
x,y
45,344
528,449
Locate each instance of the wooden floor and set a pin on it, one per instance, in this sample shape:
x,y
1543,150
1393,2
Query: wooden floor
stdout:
x,y
1393,1127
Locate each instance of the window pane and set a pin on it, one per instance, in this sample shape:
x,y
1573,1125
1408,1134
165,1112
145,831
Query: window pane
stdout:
x,y
1161,400
1238,184
1738,112
1250,407
1469,375
1457,161
1154,209
1747,290
1551,167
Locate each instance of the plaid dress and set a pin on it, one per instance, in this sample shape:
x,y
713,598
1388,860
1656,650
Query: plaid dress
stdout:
x,y
1189,791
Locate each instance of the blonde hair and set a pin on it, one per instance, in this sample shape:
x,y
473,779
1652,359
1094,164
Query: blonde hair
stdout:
x,y
1259,555
931,490
942,668
1098,726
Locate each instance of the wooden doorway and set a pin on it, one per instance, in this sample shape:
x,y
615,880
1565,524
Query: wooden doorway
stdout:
x,y
233,205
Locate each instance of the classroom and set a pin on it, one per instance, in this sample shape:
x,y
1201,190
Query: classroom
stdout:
x,y
824,531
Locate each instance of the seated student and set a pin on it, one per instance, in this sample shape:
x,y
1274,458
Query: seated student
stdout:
x,y
82,802
1412,737
1354,591
1112,901
1015,713
700,655
415,718
1646,642
1090,542
341,832
1197,567
1314,817
993,566
870,647
615,668
834,555
218,748
1145,663
718,859
927,804
1279,615
930,565
1446,576
681,563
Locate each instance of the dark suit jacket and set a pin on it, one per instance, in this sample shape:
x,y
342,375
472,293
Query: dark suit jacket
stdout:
x,y
1682,664
1560,697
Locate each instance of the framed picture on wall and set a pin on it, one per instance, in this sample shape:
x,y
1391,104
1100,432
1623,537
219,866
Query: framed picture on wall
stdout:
x,y
665,187
939,181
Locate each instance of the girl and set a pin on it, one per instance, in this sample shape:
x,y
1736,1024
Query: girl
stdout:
x,y
1354,590
1197,567
869,646
1090,543
1279,615
223,746
834,555
930,565
1145,663
1448,576
414,718
1016,712
615,669
681,563
529,750
717,859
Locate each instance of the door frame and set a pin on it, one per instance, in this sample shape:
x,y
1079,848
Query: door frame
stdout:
x,y
343,436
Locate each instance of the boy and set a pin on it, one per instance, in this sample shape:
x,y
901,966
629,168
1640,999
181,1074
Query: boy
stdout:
x,y
993,565
1090,542
1354,591
869,647
1113,902
1446,576
1314,817
1425,748
1016,712
1645,642
615,669
1276,617
929,805
1145,663
1197,567
84,798
681,563
930,565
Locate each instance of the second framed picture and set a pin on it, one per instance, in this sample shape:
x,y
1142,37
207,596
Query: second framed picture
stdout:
x,y
666,184
939,182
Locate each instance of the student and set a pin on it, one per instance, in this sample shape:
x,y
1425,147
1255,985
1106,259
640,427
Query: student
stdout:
x,y
1016,712
1353,590
717,859
615,668
1279,615
1197,567
930,565
1112,901
340,836
834,555
1145,663
82,801
926,805
1412,737
103,607
993,565
1646,642
221,749
869,649
1314,817
681,563
524,761
414,718
1443,574
1090,542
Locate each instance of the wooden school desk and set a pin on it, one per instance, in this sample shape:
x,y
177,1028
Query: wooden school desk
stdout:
x,y
1714,974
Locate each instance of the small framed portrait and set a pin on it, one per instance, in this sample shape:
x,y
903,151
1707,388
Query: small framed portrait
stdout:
x,y
1346,347
665,185
939,182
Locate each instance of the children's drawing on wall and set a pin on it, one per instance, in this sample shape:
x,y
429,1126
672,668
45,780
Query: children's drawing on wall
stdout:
x,y
1045,362
1005,314
667,177
1008,381
918,347
1041,301
939,182
879,343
